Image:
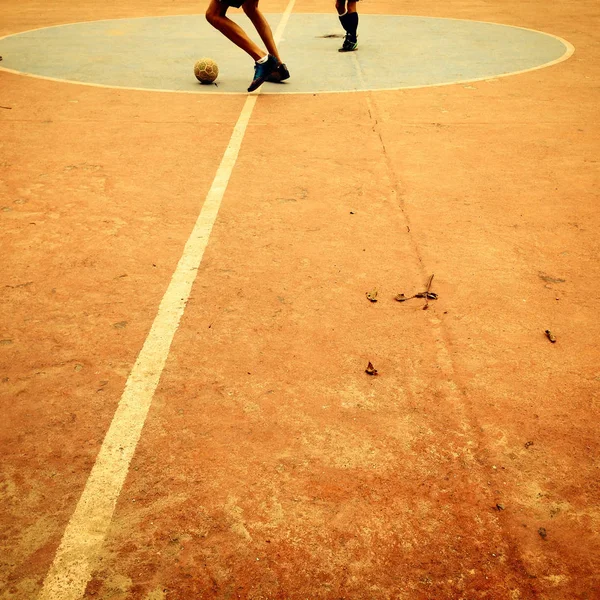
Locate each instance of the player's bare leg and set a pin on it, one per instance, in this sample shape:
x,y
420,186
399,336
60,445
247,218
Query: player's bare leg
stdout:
x,y
267,65
263,28
340,5
266,35
216,15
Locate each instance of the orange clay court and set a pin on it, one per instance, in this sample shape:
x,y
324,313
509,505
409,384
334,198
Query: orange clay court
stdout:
x,y
187,317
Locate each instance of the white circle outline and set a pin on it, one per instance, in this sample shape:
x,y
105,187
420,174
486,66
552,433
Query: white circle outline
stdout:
x,y
570,50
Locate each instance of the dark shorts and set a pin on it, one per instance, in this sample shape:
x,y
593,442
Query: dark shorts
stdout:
x,y
234,3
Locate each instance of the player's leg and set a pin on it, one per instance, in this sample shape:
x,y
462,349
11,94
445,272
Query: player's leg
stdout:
x,y
262,26
265,64
266,35
348,16
216,15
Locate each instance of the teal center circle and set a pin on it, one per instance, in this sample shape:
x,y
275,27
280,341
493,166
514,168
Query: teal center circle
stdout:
x,y
395,52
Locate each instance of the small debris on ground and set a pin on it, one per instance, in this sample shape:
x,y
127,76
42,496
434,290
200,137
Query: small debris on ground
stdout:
x,y
427,294
549,279
500,507
372,296
542,532
370,370
550,336
528,444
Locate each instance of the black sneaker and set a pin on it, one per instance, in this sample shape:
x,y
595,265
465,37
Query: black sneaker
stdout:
x,y
262,72
281,74
350,44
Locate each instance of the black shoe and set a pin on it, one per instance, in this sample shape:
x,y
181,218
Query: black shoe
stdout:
x,y
262,72
350,44
281,74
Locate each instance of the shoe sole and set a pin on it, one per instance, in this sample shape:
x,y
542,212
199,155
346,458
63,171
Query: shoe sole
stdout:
x,y
276,76
277,79
256,84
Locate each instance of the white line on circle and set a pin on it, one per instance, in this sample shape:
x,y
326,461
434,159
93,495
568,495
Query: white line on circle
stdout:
x,y
86,531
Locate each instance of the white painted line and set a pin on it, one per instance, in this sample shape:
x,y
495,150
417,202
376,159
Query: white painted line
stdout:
x,y
85,533
278,35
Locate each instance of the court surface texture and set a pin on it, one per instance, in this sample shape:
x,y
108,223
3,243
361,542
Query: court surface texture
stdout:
x,y
196,282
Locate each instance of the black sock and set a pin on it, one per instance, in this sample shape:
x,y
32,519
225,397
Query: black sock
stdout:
x,y
349,22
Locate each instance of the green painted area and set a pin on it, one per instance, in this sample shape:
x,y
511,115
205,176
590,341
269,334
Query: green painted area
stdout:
x,y
158,53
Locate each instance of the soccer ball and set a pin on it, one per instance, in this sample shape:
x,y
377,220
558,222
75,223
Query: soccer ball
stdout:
x,y
206,70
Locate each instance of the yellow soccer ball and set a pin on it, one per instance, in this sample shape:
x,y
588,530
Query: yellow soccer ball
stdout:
x,y
206,70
